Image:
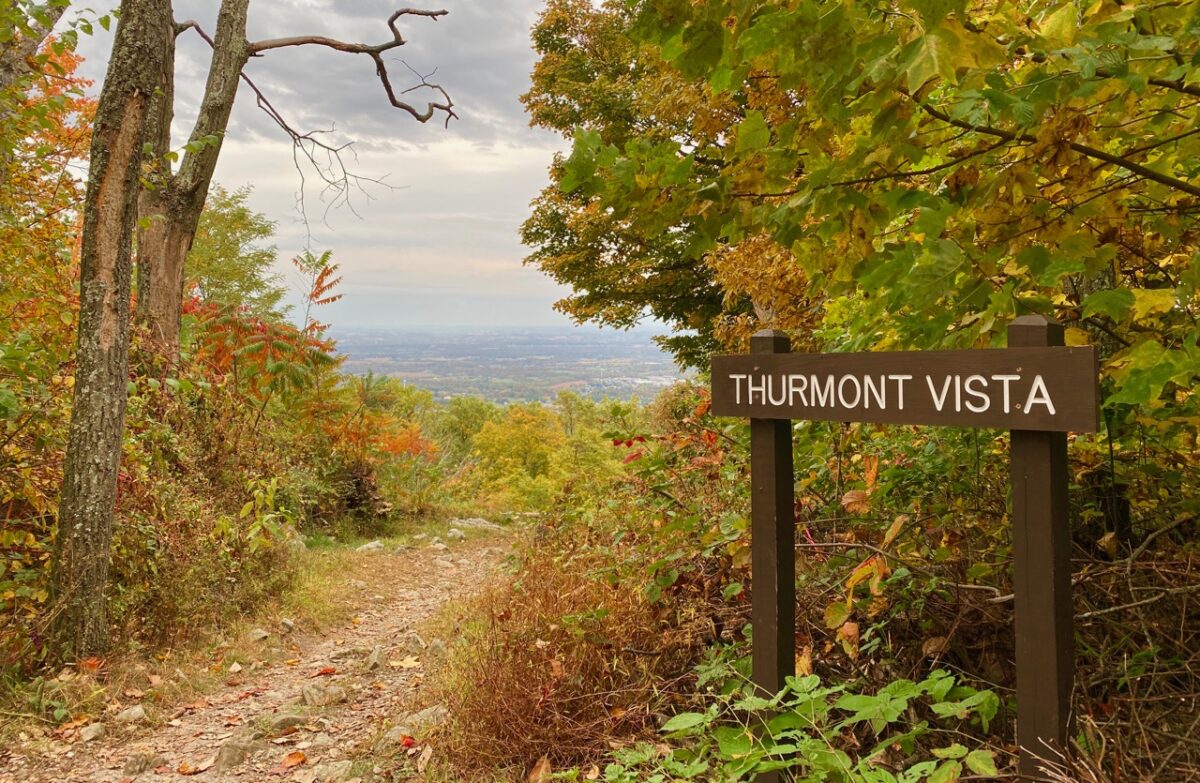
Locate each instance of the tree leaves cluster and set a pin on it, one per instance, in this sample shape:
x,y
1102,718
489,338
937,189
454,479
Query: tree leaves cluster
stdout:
x,y
925,172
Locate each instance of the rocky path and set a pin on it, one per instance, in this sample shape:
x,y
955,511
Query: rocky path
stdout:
x,y
310,708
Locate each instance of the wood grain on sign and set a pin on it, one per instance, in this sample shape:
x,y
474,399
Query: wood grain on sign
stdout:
x,y
1044,388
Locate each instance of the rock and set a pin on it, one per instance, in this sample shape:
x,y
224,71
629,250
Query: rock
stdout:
x,y
475,522
347,652
317,695
296,544
288,624
335,771
436,649
279,724
141,763
372,546
322,740
376,659
417,724
439,547
135,714
454,534
414,644
259,634
234,753
92,732
443,562
235,668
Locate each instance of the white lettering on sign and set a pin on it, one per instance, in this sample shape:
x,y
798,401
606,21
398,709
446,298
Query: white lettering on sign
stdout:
x,y
974,393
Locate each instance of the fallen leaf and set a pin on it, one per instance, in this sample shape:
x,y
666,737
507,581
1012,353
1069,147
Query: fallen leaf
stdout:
x,y
327,671
411,662
856,501
593,773
187,769
292,661
260,690
541,771
804,663
293,759
935,645
91,665
155,681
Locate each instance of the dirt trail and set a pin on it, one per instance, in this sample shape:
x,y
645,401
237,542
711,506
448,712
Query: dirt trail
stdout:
x,y
347,686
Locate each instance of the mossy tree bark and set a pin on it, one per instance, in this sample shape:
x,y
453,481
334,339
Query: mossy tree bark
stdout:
x,y
87,506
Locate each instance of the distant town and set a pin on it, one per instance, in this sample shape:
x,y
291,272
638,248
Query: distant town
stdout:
x,y
513,363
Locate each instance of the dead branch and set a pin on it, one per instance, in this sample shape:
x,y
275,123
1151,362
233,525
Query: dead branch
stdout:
x,y
376,52
326,159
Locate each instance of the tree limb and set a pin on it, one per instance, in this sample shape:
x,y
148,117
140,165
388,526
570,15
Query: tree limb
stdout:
x,y
376,52
1083,149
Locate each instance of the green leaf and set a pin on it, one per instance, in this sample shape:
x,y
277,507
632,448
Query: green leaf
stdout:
x,y
684,721
1114,303
982,762
752,133
9,406
946,773
246,509
836,614
955,751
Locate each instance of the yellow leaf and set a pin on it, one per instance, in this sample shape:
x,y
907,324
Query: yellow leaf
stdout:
x,y
1152,301
894,530
1077,336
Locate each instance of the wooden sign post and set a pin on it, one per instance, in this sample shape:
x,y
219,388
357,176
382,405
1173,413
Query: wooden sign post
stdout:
x,y
1037,388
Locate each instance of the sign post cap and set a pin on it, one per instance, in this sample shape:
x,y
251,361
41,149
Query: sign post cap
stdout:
x,y
769,341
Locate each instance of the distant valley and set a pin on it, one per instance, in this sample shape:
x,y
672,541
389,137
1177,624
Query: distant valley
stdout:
x,y
513,364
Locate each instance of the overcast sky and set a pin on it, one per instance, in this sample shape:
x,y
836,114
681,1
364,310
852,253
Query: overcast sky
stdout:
x,y
443,247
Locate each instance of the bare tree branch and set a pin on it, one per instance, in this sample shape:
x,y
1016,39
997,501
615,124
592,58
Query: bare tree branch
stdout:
x,y
376,52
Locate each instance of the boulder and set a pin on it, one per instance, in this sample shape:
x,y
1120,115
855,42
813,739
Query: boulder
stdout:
x,y
278,724
318,695
141,763
417,724
332,771
371,546
92,732
454,534
134,714
234,753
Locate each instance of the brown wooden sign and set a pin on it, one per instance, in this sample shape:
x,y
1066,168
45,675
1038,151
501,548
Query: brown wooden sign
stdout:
x,y
1037,388
1052,389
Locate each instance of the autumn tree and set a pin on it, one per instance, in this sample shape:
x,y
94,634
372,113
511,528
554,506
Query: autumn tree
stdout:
x,y
920,176
172,202
85,514
593,76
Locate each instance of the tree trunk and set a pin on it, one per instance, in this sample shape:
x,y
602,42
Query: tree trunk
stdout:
x,y
172,212
87,506
16,63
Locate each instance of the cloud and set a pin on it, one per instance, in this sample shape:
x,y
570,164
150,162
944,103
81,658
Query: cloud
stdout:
x,y
442,247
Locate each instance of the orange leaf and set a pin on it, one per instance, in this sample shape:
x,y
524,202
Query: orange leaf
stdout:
x,y
293,759
325,672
